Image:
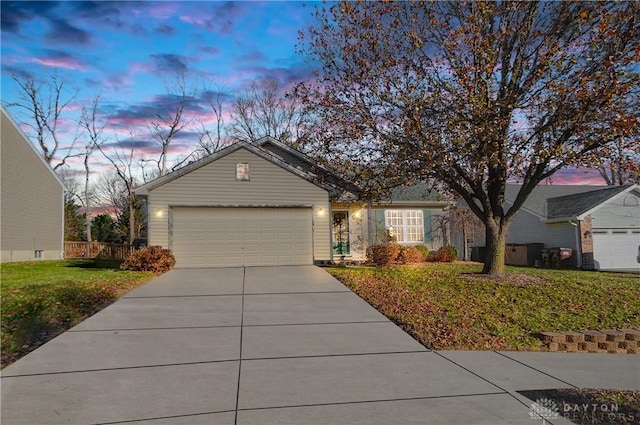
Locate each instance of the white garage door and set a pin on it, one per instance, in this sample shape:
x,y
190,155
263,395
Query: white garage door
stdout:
x,y
230,237
615,248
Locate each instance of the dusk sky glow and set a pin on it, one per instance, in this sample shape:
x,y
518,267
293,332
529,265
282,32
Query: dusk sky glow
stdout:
x,y
130,52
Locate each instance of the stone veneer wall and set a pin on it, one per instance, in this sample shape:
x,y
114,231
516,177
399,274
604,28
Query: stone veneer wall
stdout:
x,y
621,341
586,243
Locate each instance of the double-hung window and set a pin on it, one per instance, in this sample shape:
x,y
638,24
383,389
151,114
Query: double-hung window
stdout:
x,y
406,225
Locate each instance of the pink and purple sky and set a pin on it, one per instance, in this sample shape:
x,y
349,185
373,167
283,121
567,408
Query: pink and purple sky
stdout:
x,y
128,52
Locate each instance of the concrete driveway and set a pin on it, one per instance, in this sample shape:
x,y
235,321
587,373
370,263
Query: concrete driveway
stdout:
x,y
275,345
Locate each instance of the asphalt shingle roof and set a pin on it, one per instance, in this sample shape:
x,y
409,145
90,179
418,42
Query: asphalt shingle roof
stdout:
x,y
537,200
576,204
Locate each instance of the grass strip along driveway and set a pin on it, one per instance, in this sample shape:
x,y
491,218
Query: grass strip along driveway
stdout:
x,y
451,306
43,299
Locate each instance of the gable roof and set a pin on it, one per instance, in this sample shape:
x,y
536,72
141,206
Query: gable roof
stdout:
x,y
575,205
262,153
566,202
416,195
301,161
27,140
536,202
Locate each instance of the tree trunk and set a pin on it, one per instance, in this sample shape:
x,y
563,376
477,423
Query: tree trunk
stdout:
x,y
464,242
496,236
87,201
132,218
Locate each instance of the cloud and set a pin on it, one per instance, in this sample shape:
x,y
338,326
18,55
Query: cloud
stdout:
x,y
102,9
164,105
164,29
60,59
23,74
208,96
62,32
286,76
222,19
253,56
211,50
133,143
578,176
15,13
169,62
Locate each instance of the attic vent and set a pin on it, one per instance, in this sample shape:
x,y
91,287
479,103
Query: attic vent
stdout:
x,y
630,201
242,172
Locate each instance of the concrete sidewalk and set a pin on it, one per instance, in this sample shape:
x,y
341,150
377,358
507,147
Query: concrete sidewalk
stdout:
x,y
276,345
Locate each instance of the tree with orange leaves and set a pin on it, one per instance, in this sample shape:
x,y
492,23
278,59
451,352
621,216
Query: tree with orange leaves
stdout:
x,y
472,94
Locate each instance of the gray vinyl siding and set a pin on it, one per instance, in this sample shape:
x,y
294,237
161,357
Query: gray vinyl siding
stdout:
x,y
31,204
527,228
621,212
215,184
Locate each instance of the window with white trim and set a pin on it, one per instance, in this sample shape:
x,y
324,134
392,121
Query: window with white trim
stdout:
x,y
242,172
406,225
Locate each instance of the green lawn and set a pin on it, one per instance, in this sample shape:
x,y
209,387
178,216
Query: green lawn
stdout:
x,y
42,299
449,306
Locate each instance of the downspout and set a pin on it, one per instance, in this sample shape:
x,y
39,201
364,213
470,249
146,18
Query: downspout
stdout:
x,y
371,223
578,243
62,252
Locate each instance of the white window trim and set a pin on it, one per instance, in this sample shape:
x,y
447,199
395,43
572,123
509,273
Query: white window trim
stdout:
x,y
405,215
242,172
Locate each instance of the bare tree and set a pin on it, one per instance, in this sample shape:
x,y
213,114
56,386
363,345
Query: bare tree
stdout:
x,y
619,162
92,128
263,110
213,139
168,123
45,103
123,160
467,225
74,229
113,193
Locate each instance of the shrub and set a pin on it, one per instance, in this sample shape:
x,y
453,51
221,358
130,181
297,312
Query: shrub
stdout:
x,y
445,254
383,254
424,250
150,259
410,255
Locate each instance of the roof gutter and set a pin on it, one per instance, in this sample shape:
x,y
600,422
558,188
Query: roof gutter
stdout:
x,y
569,220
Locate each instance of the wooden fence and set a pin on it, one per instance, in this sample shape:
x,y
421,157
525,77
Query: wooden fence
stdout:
x,y
106,251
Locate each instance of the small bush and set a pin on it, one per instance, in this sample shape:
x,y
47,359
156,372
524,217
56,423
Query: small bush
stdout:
x,y
383,254
446,254
150,259
424,250
410,255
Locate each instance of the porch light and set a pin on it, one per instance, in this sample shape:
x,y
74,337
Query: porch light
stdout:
x,y
159,213
321,211
357,214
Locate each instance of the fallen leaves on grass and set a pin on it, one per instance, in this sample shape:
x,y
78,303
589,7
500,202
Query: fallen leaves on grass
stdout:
x,y
517,279
452,306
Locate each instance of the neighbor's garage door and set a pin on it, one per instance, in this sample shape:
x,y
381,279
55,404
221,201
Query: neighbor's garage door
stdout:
x,y
230,237
615,248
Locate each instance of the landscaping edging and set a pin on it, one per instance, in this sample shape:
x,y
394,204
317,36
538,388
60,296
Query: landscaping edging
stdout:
x,y
615,341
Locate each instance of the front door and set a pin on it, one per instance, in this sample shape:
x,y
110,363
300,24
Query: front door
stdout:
x,y
341,233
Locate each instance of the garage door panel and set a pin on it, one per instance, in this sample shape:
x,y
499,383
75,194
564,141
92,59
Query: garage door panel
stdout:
x,y
211,237
615,248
